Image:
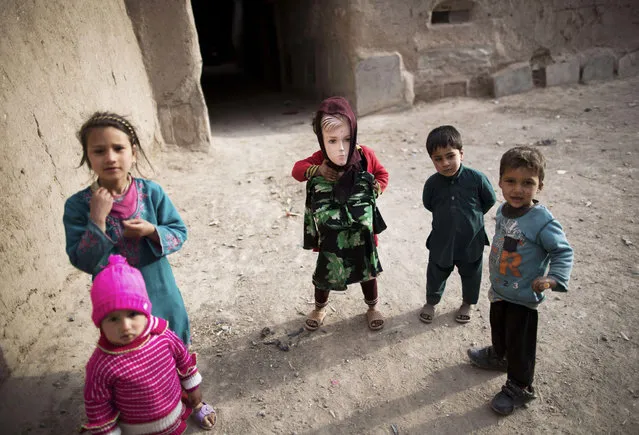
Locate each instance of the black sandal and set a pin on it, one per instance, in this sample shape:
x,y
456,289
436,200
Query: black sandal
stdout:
x,y
427,314
463,314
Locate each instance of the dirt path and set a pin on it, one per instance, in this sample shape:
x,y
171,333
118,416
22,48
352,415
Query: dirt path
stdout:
x,y
243,269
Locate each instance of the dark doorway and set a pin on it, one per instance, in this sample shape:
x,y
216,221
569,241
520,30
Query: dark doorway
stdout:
x,y
241,77
238,41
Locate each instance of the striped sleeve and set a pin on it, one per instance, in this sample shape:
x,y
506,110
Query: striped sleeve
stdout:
x,y
302,169
185,361
98,401
311,171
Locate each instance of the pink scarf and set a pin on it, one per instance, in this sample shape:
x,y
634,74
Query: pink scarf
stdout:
x,y
125,205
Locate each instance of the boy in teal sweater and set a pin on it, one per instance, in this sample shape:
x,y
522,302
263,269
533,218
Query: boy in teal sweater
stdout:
x,y
528,241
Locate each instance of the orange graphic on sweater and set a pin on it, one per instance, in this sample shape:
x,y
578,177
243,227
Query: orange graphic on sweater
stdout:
x,y
510,260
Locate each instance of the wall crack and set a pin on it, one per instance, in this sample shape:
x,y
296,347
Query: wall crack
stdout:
x,y
46,150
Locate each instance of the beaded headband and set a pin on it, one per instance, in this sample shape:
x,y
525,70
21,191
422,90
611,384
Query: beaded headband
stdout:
x,y
120,121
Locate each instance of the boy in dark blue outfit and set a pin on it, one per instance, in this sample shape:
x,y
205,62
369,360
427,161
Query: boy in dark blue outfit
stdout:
x,y
458,197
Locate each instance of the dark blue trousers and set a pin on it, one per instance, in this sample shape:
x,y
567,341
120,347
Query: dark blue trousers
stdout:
x,y
436,277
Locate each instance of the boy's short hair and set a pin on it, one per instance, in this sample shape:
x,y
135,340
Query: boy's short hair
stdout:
x,y
442,137
523,157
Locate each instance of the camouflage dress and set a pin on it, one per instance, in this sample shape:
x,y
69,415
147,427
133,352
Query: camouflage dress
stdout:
x,y
342,233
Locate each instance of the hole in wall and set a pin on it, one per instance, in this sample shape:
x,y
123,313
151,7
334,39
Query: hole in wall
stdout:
x,y
452,12
538,61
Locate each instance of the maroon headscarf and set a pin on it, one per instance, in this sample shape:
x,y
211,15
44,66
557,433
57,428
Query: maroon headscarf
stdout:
x,y
333,106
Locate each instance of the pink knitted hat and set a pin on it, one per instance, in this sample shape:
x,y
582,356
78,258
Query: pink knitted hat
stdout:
x,y
118,287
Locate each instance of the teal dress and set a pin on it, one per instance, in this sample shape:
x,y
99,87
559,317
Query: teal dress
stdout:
x,y
341,232
89,248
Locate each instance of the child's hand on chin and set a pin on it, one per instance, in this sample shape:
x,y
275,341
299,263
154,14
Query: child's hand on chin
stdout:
x,y
100,207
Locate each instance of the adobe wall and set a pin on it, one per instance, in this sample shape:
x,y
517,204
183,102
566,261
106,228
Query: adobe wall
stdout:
x,y
315,47
167,36
457,59
61,61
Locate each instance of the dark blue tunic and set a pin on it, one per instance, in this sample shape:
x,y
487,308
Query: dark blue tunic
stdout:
x,y
458,205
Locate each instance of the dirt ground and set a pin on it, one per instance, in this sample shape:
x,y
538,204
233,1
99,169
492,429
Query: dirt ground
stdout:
x,y
243,270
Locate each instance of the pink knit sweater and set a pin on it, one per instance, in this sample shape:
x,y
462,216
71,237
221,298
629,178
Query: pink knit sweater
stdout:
x,y
137,388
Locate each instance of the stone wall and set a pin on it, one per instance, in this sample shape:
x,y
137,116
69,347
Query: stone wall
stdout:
x,y
456,55
61,61
382,53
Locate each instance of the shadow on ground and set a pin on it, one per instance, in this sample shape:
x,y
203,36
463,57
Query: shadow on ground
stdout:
x,y
253,364
443,383
231,356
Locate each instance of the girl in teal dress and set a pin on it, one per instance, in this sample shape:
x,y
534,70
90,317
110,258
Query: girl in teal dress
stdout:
x,y
339,215
121,214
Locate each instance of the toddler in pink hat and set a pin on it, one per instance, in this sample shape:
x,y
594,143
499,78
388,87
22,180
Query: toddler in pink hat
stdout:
x,y
141,378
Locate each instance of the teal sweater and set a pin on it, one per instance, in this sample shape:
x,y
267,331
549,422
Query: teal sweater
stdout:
x,y
523,249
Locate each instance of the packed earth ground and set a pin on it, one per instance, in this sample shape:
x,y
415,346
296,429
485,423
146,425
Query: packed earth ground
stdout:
x,y
247,281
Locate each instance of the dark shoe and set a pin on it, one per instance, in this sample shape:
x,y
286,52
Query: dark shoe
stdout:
x,y
510,398
486,358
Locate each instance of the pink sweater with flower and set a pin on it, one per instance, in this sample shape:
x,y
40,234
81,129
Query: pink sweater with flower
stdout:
x,y
138,387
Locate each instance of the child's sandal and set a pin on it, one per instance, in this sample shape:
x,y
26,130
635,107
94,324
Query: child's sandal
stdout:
x,y
463,314
205,411
375,320
315,319
427,314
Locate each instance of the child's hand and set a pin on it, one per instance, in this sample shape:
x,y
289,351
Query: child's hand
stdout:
x,y
543,283
137,228
327,172
100,207
194,398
